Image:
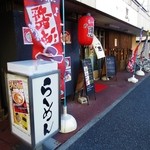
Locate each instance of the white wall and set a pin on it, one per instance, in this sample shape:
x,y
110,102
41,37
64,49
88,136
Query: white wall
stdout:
x,y
119,8
91,3
125,10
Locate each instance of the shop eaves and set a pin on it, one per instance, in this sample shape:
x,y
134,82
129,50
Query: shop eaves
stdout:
x,y
75,9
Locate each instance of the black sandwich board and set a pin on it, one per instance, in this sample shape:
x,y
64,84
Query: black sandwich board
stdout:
x,y
110,66
88,76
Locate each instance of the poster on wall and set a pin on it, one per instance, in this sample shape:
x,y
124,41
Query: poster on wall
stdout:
x,y
27,37
68,69
19,106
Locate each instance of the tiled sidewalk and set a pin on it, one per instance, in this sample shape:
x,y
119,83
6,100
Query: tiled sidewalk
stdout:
x,y
83,113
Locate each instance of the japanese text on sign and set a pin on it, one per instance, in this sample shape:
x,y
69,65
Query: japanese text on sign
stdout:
x,y
46,91
41,17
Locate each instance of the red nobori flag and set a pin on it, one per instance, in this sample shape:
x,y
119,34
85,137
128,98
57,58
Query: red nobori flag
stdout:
x,y
130,65
43,19
132,60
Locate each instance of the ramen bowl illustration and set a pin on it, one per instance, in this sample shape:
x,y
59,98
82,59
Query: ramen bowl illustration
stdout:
x,y
18,98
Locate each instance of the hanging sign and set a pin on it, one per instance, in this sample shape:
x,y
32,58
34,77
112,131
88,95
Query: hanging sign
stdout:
x,y
98,48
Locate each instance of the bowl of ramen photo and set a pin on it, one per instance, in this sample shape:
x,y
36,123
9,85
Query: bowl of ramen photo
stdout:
x,y
18,98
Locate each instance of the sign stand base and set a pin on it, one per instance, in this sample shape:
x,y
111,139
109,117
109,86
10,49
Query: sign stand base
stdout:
x,y
133,79
50,144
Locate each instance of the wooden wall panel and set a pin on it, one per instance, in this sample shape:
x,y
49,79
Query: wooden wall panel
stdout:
x,y
116,39
118,44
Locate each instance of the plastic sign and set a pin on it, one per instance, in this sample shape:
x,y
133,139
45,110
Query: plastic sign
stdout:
x,y
34,106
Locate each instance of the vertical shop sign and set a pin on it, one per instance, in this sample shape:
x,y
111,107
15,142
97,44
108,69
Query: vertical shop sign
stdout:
x,y
45,106
43,19
46,91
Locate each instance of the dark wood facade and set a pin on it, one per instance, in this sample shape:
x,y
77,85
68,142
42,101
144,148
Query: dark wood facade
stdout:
x,y
116,39
119,45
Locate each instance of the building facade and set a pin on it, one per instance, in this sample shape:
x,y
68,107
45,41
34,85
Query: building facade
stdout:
x,y
117,24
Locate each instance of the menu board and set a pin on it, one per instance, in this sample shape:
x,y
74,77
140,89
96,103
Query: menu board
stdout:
x,y
88,75
110,66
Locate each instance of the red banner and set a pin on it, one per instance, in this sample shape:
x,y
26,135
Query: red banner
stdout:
x,y
43,19
132,61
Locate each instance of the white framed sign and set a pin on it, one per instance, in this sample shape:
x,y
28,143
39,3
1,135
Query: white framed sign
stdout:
x,y
34,103
45,92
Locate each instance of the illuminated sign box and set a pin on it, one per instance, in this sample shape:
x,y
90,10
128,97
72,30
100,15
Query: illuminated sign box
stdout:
x,y
34,104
